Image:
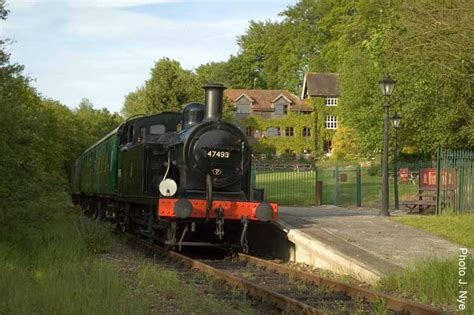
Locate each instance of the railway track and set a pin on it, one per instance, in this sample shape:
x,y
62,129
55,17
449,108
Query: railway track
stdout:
x,y
293,291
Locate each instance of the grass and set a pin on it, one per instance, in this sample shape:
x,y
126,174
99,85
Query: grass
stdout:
x,y
436,280
57,266
432,281
457,228
52,270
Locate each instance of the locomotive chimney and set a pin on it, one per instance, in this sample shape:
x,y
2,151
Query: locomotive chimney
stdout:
x,y
214,96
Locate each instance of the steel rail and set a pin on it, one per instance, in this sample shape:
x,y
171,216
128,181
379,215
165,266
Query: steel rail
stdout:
x,y
267,296
283,302
393,303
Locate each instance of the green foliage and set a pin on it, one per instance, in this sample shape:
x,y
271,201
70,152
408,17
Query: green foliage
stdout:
x,y
280,144
3,10
432,55
168,88
215,72
343,144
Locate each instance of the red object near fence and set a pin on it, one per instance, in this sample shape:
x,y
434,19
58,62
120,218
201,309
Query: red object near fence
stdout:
x,y
404,172
428,178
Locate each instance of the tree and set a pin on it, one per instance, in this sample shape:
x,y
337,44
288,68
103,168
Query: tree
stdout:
x,y
168,88
343,144
433,49
215,72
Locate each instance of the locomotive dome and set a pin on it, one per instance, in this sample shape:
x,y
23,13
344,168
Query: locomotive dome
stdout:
x,y
193,114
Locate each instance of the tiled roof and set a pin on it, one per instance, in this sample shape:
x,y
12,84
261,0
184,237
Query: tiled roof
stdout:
x,y
263,99
320,84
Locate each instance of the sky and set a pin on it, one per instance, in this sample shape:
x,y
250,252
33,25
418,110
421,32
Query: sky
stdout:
x,y
104,49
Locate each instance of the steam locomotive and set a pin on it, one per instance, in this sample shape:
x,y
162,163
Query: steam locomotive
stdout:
x,y
182,179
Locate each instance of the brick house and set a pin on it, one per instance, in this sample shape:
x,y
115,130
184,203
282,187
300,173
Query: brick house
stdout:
x,y
267,104
323,91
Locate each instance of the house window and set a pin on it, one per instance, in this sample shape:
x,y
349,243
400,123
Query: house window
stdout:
x,y
249,131
331,101
331,122
273,132
281,109
289,131
327,147
306,132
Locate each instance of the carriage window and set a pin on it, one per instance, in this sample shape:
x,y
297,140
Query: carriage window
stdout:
x,y
157,129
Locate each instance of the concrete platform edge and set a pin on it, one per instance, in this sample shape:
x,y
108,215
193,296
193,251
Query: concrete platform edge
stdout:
x,y
321,255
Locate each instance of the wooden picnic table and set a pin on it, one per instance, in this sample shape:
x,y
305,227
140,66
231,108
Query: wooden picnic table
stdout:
x,y
426,200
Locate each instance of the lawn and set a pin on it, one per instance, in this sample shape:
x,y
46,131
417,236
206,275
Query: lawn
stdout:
x,y
457,228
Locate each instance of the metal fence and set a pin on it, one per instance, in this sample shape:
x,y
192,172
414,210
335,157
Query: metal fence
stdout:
x,y
287,184
360,184
455,186
344,185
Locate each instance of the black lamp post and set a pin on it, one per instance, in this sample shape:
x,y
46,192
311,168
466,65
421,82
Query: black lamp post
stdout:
x,y
387,84
395,124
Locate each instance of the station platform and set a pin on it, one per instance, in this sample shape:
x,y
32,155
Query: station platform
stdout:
x,y
357,241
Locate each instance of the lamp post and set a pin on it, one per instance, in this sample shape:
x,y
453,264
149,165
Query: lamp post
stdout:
x,y
395,124
387,84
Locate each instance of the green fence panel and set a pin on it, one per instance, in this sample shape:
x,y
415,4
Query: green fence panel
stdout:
x,y
455,181
287,185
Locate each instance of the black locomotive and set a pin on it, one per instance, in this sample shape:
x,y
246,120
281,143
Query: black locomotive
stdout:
x,y
188,187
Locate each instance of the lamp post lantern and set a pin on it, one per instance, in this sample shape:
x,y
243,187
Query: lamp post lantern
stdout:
x,y
395,124
387,84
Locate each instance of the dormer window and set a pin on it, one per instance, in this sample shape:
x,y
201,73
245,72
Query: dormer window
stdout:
x,y
281,109
243,109
331,101
242,104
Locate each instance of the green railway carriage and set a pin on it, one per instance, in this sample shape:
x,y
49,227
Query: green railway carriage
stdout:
x,y
95,171
127,164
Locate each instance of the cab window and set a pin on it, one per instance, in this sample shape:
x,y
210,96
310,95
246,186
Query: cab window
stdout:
x,y
141,137
157,129
130,133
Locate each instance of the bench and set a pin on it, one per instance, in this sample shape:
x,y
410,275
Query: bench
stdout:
x,y
426,201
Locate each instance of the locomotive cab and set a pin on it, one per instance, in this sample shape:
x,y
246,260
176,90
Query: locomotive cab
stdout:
x,y
142,158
